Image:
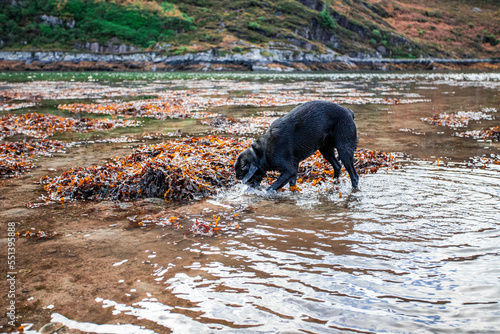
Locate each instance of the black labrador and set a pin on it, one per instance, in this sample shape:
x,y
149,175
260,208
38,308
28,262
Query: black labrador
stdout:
x,y
296,136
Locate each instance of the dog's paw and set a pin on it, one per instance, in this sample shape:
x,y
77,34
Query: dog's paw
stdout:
x,y
271,193
254,191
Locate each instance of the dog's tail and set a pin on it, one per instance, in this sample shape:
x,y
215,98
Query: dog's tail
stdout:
x,y
345,133
352,113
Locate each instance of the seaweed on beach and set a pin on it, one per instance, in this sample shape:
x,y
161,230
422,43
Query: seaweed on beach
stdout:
x,y
36,234
182,169
458,119
174,104
484,161
16,158
13,106
45,125
492,134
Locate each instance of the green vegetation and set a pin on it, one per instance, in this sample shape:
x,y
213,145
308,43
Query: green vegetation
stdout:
x,y
376,34
491,39
253,25
326,18
51,23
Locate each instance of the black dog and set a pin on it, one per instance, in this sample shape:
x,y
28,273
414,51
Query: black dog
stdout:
x,y
296,136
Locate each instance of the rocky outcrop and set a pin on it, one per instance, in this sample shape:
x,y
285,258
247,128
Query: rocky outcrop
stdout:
x,y
252,60
112,46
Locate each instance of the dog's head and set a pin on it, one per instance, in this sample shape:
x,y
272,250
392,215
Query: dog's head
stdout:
x,y
248,168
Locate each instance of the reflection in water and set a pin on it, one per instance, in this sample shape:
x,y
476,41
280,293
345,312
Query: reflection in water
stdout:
x,y
415,251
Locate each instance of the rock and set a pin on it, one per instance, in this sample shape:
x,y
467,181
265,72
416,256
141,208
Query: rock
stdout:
x,y
51,20
476,10
308,46
313,4
382,50
261,68
154,200
54,20
16,213
94,47
52,327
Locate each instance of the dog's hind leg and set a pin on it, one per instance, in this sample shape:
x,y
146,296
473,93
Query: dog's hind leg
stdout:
x,y
347,158
328,153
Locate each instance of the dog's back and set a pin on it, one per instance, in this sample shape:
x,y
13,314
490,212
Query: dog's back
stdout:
x,y
310,126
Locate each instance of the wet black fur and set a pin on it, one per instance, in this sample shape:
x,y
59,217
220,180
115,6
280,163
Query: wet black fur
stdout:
x,y
312,126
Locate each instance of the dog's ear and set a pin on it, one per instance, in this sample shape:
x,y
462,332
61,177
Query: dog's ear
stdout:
x,y
250,173
254,163
254,153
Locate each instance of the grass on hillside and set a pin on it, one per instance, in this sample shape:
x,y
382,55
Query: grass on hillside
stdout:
x,y
137,22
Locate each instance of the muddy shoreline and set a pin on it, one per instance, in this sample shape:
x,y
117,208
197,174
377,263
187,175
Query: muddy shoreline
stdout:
x,y
124,66
274,67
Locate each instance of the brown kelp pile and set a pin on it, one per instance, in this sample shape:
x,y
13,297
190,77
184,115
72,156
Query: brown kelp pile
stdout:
x,y
182,169
457,120
492,134
174,104
161,110
13,106
204,225
194,103
45,125
462,119
36,234
16,158
54,90
493,160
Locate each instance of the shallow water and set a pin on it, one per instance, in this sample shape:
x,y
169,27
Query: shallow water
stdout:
x,y
416,250
391,258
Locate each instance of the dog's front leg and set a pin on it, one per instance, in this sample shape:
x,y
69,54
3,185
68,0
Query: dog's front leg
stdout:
x,y
287,176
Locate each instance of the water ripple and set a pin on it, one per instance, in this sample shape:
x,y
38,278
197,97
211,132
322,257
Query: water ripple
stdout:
x,y
415,251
